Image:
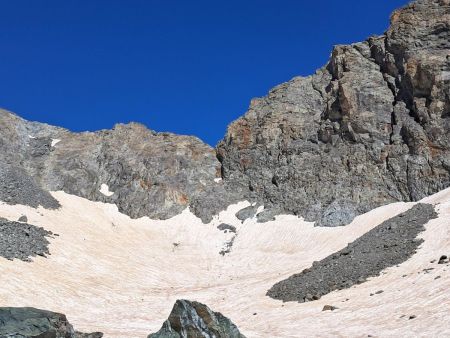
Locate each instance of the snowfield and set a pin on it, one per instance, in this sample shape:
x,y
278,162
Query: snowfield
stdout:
x,y
121,276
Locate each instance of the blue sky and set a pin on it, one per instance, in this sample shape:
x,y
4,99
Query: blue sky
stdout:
x,y
189,67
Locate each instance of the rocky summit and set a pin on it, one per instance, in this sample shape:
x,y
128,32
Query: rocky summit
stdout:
x,y
369,128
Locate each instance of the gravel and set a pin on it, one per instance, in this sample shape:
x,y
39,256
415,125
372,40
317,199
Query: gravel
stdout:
x,y
17,187
23,241
389,244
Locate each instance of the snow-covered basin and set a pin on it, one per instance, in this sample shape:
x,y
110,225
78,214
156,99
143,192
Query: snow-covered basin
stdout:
x,y
121,276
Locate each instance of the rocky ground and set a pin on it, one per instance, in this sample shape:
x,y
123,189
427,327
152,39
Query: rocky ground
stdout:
x,y
17,187
22,240
30,322
389,244
196,320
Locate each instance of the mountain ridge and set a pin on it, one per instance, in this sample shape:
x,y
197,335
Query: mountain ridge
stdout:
x,y
368,128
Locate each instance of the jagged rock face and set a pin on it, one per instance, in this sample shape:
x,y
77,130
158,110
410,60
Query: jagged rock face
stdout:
x,y
30,322
147,173
195,320
370,128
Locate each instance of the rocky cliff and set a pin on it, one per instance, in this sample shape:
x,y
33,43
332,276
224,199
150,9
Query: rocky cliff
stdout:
x,y
143,172
369,128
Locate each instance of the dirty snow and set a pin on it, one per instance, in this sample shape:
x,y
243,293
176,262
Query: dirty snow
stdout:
x,y
110,273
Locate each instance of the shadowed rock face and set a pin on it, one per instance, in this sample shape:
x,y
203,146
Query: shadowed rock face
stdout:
x,y
195,320
370,128
30,322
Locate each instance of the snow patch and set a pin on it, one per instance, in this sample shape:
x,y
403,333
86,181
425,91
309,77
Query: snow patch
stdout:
x,y
130,267
218,180
31,136
104,189
55,141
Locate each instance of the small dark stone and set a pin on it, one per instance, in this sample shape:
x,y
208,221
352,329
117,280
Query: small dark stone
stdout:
x,y
329,308
443,259
23,219
412,317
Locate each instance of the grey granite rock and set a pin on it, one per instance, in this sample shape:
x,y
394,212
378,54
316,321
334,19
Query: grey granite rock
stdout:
x,y
370,128
195,320
387,245
248,212
29,322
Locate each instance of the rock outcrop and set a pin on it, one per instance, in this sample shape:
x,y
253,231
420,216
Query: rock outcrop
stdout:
x,y
27,322
370,128
144,173
195,320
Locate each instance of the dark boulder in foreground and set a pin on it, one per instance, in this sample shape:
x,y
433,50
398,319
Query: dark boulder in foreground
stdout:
x,y
390,243
195,320
20,322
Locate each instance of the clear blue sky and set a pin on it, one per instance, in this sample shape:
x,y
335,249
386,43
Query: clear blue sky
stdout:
x,y
189,67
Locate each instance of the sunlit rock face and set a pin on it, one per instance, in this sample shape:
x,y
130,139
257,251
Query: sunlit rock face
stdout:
x,y
369,128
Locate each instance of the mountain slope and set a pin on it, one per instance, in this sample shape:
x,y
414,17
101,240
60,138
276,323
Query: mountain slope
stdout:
x,y
121,276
